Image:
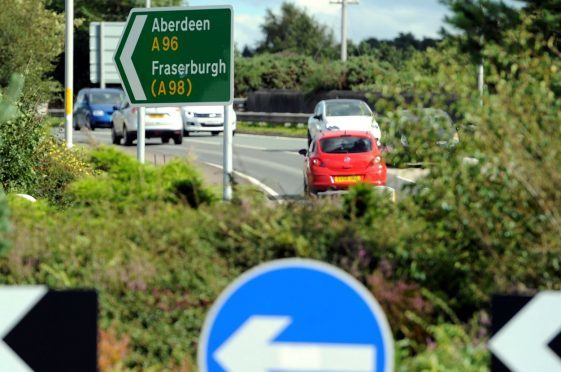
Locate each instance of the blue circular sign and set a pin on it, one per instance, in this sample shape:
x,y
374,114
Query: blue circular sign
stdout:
x,y
295,315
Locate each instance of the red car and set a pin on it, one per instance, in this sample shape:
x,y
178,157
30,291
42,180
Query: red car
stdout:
x,y
337,160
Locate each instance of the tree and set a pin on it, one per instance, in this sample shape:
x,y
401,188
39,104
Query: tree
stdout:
x,y
102,10
480,21
546,17
247,52
8,110
31,38
408,40
394,51
293,30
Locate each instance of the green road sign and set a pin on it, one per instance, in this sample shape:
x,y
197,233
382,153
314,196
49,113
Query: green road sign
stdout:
x,y
177,56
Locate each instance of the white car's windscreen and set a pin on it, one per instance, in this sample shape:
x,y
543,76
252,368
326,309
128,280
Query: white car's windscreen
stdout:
x,y
345,145
105,98
347,108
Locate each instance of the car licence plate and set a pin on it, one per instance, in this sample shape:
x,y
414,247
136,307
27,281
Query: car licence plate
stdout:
x,y
342,179
155,116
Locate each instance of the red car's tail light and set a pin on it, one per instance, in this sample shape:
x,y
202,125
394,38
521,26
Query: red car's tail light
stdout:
x,y
317,162
377,159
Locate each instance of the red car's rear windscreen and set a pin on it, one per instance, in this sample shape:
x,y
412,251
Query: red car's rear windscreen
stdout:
x,y
345,145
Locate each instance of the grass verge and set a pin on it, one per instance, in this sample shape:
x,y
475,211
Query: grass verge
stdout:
x,y
286,129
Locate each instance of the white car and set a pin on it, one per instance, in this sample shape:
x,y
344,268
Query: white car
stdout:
x,y
342,114
206,119
162,122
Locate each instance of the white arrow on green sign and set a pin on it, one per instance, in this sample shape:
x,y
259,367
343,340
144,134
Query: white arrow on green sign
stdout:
x,y
177,56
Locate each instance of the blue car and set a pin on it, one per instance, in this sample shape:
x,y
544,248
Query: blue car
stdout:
x,y
94,106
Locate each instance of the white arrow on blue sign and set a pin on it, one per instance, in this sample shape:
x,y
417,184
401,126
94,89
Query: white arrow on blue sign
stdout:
x,y
296,315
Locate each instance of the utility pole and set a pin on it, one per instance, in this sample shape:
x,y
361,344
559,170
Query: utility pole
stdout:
x,y
344,4
68,70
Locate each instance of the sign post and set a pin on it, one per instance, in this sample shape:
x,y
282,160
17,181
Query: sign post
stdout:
x,y
179,56
228,167
296,315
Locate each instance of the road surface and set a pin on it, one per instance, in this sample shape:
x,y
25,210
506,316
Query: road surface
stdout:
x,y
273,161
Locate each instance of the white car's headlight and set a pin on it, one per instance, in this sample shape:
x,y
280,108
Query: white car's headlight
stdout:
x,y
98,113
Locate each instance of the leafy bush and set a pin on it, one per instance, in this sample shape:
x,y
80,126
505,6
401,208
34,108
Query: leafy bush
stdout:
x,y
112,350
31,160
452,350
8,99
20,139
155,275
406,308
280,71
271,72
57,167
124,182
4,222
8,110
350,75
159,267
491,226
418,136
30,41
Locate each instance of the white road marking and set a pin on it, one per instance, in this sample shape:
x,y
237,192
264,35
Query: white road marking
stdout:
x,y
250,147
406,179
254,181
220,144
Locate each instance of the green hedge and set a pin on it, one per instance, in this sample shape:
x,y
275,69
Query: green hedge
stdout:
x,y
306,74
4,222
8,111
